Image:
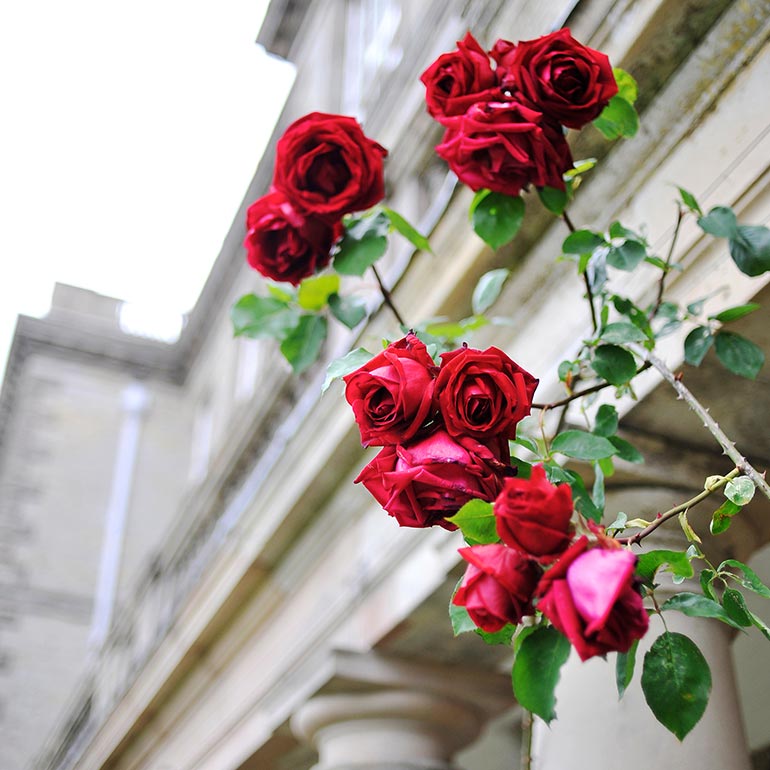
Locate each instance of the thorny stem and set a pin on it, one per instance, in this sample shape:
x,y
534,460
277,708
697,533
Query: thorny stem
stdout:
x,y
664,517
709,422
664,273
526,740
387,297
589,292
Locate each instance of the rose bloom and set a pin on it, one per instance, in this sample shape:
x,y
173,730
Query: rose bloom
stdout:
x,y
458,79
533,516
284,245
482,393
327,167
590,596
497,587
423,482
566,80
505,146
392,394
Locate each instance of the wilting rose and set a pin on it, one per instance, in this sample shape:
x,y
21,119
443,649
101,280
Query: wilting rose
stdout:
x,y
284,245
423,482
458,79
505,146
483,393
392,394
566,80
327,167
590,595
497,587
533,516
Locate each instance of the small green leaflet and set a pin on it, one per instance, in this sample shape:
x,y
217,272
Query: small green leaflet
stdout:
x,y
625,450
734,313
553,199
697,344
477,521
750,578
407,230
582,242
497,218
614,364
364,242
740,491
314,292
347,310
720,222
618,119
345,365
303,345
606,423
722,516
627,87
650,562
459,617
620,332
254,316
582,445
697,606
488,290
624,668
739,355
689,200
735,607
750,249
627,256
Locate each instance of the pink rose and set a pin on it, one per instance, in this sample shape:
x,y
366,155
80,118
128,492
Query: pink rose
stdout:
x,y
497,587
591,597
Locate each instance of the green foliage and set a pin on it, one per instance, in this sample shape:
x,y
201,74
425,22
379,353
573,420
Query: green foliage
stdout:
x,y
739,355
740,491
624,668
614,364
503,636
626,451
750,249
627,255
697,344
400,225
459,617
364,242
620,332
497,218
734,313
582,242
697,606
584,503
302,346
735,607
627,87
347,310
749,580
689,201
553,199
606,423
255,317
342,366
651,561
582,445
719,222
314,292
488,289
722,517
476,520
676,682
618,119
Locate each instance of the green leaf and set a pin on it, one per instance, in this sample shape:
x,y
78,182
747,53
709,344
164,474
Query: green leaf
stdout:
x,y
364,242
734,313
689,200
606,421
750,578
624,668
739,355
284,292
620,332
627,87
614,364
254,316
345,365
625,450
582,445
527,443
314,292
706,579
720,222
417,239
503,636
651,561
584,504
740,491
459,617
456,330
634,314
761,625
697,344
735,607
568,368
697,606
347,310
618,119
721,518
580,167
676,682
477,521
597,492
627,256
750,249
488,290
303,345
536,671
582,242
553,199
497,218
477,198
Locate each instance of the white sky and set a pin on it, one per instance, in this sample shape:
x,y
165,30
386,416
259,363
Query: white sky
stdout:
x,y
129,132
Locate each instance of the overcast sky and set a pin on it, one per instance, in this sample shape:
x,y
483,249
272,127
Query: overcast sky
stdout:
x,y
130,132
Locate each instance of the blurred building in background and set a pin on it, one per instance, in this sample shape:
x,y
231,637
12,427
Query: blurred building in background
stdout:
x,y
189,577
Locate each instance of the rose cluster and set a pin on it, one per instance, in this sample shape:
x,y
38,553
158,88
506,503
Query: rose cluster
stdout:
x,y
325,167
504,110
443,430
586,588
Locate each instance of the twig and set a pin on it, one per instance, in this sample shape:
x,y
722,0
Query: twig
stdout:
x,y
664,517
526,740
589,291
709,422
662,282
387,297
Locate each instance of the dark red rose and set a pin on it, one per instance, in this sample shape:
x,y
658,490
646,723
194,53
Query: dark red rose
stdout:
x,y
392,394
483,393
497,587
566,80
423,482
590,595
327,167
501,53
458,79
533,515
284,245
505,146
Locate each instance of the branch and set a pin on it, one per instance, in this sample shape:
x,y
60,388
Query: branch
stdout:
x,y
589,292
387,297
664,517
728,447
662,282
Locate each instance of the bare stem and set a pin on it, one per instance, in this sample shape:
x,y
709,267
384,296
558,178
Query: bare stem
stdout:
x,y
526,740
664,273
589,291
387,297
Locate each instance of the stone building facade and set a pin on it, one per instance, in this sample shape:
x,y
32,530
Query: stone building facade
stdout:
x,y
188,507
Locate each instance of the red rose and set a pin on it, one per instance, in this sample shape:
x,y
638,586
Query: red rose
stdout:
x,y
504,146
590,596
283,245
458,79
502,52
392,394
497,587
327,167
566,80
483,393
422,483
533,516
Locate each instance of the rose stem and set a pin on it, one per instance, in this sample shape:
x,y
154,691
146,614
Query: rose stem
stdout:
x,y
387,297
589,293
662,282
526,740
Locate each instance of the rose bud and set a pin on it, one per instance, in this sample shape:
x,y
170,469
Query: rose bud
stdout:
x,y
392,394
566,80
533,516
327,167
284,245
591,596
423,482
497,587
483,393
